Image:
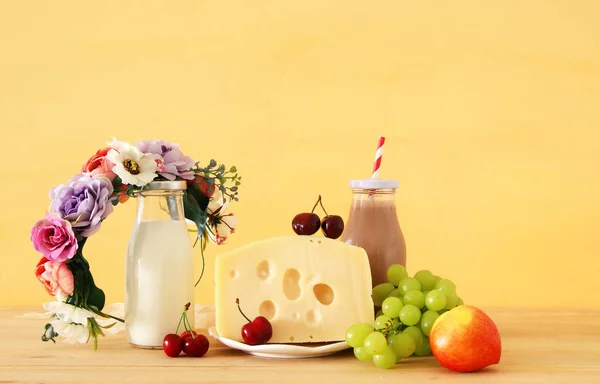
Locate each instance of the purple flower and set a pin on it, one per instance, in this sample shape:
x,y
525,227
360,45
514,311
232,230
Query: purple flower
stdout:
x,y
176,164
84,201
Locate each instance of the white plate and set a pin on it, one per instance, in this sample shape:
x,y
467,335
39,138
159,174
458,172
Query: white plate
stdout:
x,y
282,351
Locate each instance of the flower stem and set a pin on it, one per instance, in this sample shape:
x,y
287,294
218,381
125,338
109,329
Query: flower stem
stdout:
x,y
203,261
102,314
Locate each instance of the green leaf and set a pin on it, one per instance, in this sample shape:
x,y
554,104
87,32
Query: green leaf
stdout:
x,y
197,194
86,292
117,181
194,213
96,298
233,169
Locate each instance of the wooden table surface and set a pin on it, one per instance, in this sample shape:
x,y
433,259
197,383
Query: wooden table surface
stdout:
x,y
539,346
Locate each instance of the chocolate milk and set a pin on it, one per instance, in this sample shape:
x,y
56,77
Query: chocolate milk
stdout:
x,y
373,225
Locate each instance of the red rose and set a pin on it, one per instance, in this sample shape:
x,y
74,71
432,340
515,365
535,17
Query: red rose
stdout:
x,y
99,165
204,187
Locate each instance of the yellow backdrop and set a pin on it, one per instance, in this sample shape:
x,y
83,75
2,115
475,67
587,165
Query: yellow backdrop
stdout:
x,y
490,109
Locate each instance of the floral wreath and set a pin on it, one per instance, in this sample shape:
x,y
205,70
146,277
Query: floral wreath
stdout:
x,y
78,208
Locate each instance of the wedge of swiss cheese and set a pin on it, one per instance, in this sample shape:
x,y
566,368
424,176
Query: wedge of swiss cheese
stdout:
x,y
312,289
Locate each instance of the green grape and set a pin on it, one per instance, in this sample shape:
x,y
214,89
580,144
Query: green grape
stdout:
x,y
426,279
395,273
362,354
446,286
381,322
395,293
380,292
427,320
416,298
460,302
403,345
391,306
435,300
375,343
409,284
415,333
356,334
423,349
390,338
409,315
387,359
451,301
425,292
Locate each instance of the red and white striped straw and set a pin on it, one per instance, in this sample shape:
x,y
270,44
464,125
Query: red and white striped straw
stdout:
x,y
378,156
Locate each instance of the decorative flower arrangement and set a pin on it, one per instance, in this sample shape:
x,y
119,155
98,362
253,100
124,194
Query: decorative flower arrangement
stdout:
x,y
78,208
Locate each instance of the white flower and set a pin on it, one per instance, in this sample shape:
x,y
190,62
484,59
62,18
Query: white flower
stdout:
x,y
131,165
221,225
73,333
69,321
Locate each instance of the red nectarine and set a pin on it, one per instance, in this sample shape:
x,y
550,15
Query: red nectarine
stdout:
x,y
465,339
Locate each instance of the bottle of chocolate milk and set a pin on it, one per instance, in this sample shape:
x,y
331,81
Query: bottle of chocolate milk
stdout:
x,y
373,225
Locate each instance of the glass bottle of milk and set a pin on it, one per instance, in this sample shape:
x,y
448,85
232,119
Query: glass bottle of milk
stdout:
x,y
373,225
159,267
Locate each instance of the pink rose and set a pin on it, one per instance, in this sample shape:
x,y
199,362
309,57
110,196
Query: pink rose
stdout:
x,y
56,277
99,165
54,238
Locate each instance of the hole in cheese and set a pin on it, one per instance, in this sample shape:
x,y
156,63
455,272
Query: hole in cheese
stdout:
x,y
291,338
324,293
296,316
313,317
290,286
267,309
234,273
263,270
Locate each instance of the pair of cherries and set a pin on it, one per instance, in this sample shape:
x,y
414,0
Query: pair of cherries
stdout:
x,y
308,223
189,342
255,332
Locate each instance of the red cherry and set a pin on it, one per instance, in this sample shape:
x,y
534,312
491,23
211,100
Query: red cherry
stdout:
x,y
196,346
188,333
172,345
257,331
306,223
332,226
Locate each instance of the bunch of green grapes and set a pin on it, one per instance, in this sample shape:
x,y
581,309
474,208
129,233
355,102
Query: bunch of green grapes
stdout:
x,y
409,307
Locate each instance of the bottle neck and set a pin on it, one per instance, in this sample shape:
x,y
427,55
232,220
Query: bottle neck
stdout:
x,y
160,205
366,196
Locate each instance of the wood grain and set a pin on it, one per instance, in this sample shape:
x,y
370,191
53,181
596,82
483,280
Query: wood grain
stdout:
x,y
539,346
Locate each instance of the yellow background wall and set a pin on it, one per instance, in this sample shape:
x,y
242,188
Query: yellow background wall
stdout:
x,y
491,112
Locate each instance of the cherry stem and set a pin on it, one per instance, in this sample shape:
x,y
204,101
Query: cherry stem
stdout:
x,y
237,301
317,203
321,202
187,320
185,308
178,325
